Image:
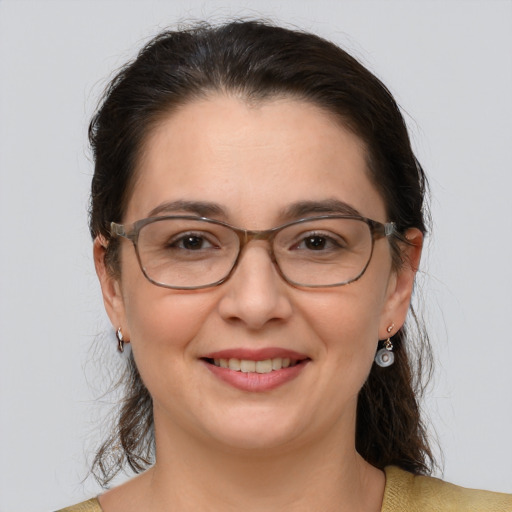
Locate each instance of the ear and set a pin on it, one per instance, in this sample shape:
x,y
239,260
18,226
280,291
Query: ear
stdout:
x,y
401,284
110,287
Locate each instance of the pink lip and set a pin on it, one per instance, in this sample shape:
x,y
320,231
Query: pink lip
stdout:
x,y
255,354
257,382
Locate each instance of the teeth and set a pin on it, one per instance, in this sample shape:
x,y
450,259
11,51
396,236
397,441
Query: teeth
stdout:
x,y
264,366
247,366
233,364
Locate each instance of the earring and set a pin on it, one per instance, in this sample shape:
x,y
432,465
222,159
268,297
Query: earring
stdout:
x,y
385,357
120,340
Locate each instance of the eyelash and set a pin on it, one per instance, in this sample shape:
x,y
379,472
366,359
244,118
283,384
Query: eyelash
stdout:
x,y
182,237
328,239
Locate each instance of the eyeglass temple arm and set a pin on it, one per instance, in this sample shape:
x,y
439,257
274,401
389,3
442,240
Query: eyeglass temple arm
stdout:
x,y
390,229
387,229
117,230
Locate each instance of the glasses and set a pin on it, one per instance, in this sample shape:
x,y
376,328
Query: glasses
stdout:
x,y
189,252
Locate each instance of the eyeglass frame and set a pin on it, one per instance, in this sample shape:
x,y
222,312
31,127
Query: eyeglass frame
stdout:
x,y
131,232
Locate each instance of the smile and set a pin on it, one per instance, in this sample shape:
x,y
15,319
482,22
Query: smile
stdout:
x,y
249,366
256,370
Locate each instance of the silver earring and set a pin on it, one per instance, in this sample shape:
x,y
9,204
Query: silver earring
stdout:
x,y
385,356
120,340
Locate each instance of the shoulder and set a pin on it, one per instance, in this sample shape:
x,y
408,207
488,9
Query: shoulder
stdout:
x,y
92,505
407,492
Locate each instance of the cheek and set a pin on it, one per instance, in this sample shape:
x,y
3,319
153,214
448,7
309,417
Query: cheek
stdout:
x,y
160,322
346,323
343,319
163,318
163,327
157,317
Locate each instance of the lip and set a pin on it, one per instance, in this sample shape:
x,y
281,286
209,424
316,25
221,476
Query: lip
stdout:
x,y
256,382
255,354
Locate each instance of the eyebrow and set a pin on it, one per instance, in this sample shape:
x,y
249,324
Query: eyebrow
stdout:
x,y
201,208
327,206
296,210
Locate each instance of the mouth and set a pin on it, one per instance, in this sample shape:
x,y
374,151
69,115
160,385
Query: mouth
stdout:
x,y
256,370
250,366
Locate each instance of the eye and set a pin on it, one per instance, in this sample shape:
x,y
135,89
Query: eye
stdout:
x,y
320,242
315,243
191,242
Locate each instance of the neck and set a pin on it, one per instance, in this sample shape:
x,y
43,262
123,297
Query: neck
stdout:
x,y
329,475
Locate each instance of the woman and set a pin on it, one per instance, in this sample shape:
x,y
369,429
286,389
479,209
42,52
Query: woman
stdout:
x,y
258,220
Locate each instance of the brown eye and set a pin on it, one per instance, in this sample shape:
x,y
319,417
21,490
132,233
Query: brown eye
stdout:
x,y
315,243
190,242
319,242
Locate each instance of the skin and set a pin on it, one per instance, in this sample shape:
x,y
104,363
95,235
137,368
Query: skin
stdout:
x,y
220,448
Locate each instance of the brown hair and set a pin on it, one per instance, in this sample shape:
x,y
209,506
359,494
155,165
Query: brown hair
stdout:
x,y
255,60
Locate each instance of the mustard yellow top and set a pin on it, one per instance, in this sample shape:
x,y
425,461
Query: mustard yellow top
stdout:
x,y
92,505
406,492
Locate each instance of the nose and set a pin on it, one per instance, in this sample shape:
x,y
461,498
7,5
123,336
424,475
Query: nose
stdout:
x,y
255,294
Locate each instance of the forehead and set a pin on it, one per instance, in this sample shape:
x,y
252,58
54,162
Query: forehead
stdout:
x,y
254,160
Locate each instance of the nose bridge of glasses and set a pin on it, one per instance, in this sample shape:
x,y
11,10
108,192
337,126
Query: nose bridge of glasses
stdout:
x,y
248,235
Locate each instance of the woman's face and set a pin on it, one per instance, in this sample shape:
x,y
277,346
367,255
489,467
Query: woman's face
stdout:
x,y
254,163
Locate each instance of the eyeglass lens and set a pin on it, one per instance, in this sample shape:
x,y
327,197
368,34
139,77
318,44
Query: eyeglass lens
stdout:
x,y
185,253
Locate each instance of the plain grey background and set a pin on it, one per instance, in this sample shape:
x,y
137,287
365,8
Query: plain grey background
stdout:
x,y
448,63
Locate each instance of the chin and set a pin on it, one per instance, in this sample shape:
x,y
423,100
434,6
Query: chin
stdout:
x,y
257,430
